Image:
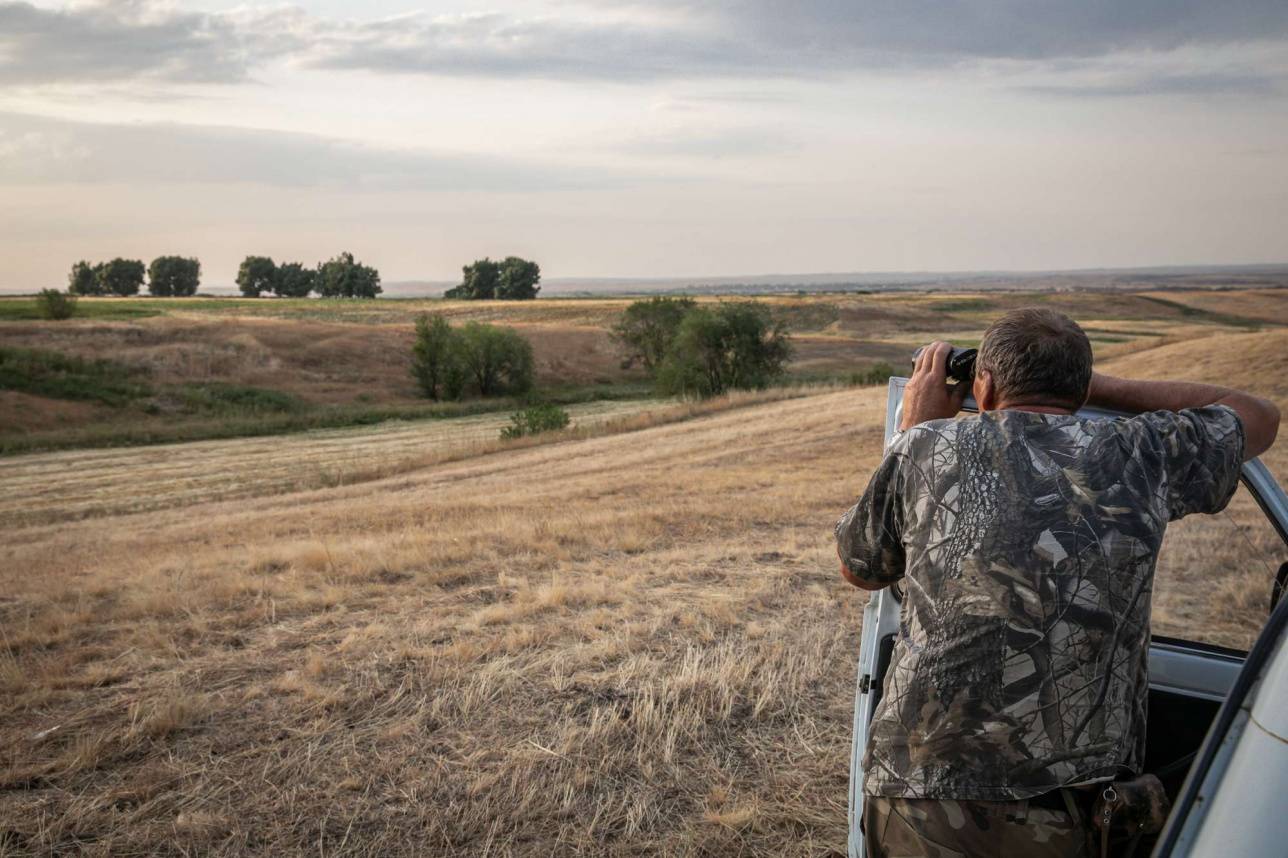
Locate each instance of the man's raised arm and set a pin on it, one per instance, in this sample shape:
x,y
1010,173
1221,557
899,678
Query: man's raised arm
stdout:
x,y
1260,417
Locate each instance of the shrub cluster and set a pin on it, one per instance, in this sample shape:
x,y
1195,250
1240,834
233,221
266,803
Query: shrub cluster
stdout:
x,y
52,304
692,350
340,277
512,279
168,276
478,359
545,417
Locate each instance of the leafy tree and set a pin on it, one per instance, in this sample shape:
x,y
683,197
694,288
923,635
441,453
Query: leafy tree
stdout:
x,y
434,356
84,279
484,359
733,346
294,280
342,277
256,275
546,417
479,283
53,304
495,360
123,277
513,279
518,279
647,328
174,276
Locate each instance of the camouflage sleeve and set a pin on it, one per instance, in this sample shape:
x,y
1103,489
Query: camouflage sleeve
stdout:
x,y
869,535
1202,453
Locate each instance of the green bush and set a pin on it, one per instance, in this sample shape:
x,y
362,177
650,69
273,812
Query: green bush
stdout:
x,y
735,346
546,417
647,329
476,358
495,361
432,357
52,304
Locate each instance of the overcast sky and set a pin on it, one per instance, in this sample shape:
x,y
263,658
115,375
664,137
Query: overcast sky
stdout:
x,y
664,138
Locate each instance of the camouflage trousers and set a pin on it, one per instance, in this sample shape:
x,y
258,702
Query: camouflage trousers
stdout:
x,y
929,828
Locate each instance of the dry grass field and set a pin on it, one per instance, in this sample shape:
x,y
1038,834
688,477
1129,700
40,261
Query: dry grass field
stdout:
x,y
631,640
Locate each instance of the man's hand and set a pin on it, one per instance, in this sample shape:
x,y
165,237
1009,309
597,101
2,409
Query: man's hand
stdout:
x,y
927,395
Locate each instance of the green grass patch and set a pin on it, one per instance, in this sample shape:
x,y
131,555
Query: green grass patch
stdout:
x,y
211,411
963,305
220,398
26,309
58,376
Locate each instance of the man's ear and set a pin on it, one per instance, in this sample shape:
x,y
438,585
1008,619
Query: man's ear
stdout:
x,y
985,393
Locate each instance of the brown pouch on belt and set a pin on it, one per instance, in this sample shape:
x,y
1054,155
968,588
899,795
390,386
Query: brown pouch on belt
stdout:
x,y
1130,809
1136,806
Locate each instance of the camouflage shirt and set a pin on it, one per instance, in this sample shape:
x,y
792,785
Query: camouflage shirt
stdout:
x,y
1025,544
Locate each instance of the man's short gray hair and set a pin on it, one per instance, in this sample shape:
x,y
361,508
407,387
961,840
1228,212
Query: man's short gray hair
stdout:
x,y
1036,355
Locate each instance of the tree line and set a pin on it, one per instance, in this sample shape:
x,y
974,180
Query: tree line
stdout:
x,y
180,277
168,277
511,279
339,277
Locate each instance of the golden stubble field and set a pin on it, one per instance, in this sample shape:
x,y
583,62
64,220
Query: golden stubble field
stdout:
x,y
633,642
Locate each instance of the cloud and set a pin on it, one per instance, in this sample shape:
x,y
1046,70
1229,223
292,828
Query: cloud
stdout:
x,y
769,38
928,30
36,150
112,40
1226,84
116,40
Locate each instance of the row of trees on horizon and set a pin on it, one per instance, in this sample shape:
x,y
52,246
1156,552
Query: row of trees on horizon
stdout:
x,y
340,277
511,279
168,277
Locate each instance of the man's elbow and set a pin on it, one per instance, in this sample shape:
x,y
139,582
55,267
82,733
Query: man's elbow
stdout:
x,y
857,581
1261,426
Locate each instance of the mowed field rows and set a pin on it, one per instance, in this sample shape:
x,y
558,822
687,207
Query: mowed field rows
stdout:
x,y
81,483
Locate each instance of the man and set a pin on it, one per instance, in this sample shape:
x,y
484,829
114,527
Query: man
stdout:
x,y
1025,539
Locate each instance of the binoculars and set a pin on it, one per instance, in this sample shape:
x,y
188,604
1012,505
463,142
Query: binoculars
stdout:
x,y
961,363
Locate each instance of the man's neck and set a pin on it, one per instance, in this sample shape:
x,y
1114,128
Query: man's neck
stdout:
x,y
1035,407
